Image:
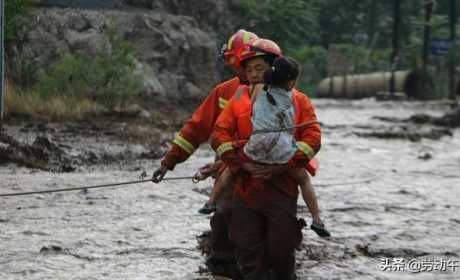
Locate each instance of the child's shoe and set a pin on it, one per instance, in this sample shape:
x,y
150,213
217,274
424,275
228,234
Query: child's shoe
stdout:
x,y
320,229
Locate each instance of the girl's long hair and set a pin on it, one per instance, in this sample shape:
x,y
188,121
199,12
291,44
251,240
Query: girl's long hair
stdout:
x,y
284,69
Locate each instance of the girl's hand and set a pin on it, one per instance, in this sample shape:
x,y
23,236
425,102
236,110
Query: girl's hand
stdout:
x,y
209,169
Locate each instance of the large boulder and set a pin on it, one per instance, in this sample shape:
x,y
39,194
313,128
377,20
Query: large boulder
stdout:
x,y
175,42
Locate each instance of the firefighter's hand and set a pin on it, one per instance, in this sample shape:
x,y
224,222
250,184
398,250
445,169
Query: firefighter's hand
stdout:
x,y
159,174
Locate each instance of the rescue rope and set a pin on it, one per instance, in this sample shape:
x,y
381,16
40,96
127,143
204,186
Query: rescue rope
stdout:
x,y
94,187
261,131
344,183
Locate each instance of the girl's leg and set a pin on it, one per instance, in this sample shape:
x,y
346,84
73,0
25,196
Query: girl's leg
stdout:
x,y
222,182
308,193
309,197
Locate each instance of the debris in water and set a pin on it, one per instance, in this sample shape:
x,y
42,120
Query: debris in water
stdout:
x,y
425,156
450,119
413,134
51,249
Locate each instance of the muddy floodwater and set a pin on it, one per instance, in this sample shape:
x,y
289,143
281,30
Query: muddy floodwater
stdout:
x,y
396,215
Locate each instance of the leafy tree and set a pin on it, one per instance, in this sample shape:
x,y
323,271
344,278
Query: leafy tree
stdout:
x,y
15,17
289,23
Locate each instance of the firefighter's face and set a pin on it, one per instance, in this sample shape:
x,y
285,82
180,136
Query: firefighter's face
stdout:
x,y
241,73
255,69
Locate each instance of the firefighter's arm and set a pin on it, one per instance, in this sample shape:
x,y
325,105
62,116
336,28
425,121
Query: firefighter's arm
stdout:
x,y
222,138
308,137
194,132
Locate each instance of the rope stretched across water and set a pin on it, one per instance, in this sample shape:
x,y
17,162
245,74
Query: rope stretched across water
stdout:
x,y
268,130
93,187
345,183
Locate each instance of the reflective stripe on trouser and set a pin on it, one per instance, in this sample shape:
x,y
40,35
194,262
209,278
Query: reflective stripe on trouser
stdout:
x,y
184,144
306,149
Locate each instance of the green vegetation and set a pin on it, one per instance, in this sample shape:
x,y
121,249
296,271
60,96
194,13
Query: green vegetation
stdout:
x,y
57,107
79,83
15,17
314,66
287,22
75,85
108,77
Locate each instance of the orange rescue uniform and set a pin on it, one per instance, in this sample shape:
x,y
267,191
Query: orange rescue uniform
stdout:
x,y
234,127
198,128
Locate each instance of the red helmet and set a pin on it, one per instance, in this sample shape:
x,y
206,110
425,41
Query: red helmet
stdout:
x,y
235,43
259,47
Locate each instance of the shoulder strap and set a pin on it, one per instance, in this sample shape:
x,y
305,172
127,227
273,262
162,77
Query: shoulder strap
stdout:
x,y
242,101
240,91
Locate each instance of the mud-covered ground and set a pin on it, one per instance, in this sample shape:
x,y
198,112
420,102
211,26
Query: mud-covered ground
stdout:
x,y
401,207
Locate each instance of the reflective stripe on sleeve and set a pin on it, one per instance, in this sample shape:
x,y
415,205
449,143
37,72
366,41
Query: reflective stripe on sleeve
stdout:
x,y
222,103
225,147
184,144
306,149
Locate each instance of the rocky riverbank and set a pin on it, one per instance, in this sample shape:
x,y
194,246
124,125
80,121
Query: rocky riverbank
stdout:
x,y
105,139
